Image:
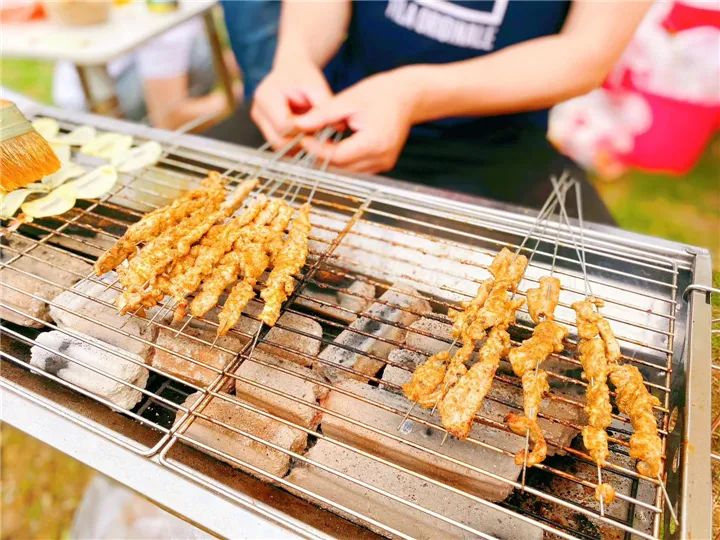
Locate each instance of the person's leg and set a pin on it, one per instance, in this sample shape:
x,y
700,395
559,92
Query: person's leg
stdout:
x,y
252,29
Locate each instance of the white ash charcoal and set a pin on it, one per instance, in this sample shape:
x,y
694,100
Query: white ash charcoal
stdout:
x,y
400,307
363,409
239,446
406,487
438,268
89,307
298,341
171,352
404,362
416,338
268,371
46,281
355,300
106,358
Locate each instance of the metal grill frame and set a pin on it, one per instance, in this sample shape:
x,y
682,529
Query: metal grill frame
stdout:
x,y
688,485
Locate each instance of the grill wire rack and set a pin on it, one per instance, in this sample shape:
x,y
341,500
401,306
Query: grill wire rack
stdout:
x,y
388,239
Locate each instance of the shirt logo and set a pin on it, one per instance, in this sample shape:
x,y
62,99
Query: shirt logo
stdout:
x,y
449,23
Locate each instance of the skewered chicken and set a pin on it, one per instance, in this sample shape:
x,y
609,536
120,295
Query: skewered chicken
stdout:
x,y
597,395
227,270
461,402
289,261
208,254
256,258
429,384
173,244
547,338
521,425
634,400
212,191
525,359
543,300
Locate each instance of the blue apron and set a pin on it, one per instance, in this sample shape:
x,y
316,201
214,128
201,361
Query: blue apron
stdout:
x,y
386,35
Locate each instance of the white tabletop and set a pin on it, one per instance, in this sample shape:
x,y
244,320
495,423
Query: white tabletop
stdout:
x,y
129,26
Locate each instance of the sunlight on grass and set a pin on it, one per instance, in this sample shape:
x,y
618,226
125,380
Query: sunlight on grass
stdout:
x,y
30,77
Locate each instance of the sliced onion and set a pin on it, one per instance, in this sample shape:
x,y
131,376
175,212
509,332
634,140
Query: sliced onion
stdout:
x,y
94,184
58,201
107,145
62,151
47,127
138,157
10,202
77,137
66,172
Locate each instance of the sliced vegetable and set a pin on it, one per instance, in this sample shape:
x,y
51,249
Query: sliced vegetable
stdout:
x,y
10,202
62,151
47,127
78,136
94,184
38,187
138,157
58,201
107,145
66,172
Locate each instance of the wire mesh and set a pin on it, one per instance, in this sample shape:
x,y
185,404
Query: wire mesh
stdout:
x,y
378,266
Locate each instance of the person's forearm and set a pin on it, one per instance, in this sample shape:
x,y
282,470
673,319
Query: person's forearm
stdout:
x,y
535,74
313,30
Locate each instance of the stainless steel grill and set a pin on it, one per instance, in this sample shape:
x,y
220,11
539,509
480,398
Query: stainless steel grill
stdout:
x,y
394,240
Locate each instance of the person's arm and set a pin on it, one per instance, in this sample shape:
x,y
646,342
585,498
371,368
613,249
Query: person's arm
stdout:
x,y
169,104
532,75
310,34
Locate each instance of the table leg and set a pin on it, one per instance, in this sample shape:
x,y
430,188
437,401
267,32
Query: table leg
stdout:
x,y
99,90
218,61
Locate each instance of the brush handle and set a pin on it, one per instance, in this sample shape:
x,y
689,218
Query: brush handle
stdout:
x,y
12,122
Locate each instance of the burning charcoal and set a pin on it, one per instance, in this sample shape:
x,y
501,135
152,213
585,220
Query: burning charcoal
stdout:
x,y
297,383
406,487
397,307
195,342
47,280
363,409
90,308
239,446
108,359
354,300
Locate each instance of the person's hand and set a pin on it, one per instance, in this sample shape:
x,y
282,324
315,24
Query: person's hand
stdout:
x,y
289,89
379,110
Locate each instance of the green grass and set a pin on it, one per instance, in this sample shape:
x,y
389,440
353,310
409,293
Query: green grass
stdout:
x,y
30,77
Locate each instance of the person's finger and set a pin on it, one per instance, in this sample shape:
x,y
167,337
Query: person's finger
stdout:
x,y
275,108
332,111
275,139
355,148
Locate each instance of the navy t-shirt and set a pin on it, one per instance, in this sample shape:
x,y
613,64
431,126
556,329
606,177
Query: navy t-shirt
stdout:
x,y
386,35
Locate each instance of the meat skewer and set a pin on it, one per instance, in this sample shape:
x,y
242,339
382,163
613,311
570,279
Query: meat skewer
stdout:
x,y
174,243
150,226
462,399
289,261
525,360
424,387
256,258
230,265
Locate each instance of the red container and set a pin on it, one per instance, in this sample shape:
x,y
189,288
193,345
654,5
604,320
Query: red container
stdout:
x,y
678,135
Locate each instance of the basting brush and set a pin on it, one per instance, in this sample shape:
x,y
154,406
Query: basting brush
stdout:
x,y
24,155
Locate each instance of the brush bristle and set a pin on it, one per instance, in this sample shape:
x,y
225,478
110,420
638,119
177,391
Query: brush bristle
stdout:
x,y
25,159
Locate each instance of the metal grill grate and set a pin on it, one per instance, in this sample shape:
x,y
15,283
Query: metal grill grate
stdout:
x,y
366,237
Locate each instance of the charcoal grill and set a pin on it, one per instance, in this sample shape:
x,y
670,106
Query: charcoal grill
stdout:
x,y
386,235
